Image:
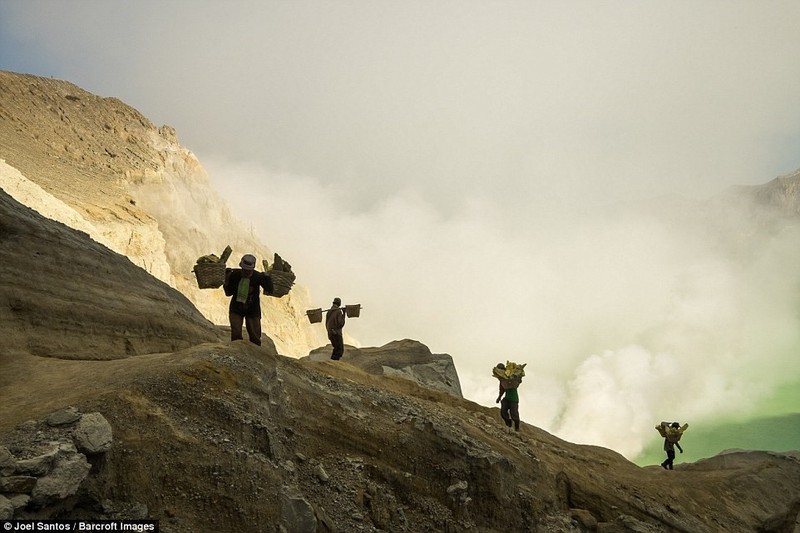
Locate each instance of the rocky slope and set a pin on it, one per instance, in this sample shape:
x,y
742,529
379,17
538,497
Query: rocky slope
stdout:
x,y
100,166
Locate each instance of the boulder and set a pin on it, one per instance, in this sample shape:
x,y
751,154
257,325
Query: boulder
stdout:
x,y
408,359
93,434
6,508
64,416
297,514
69,471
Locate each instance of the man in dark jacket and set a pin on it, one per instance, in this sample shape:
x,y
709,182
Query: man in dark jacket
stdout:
x,y
244,286
334,322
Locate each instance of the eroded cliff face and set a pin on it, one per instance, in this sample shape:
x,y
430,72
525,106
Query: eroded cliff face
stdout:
x,y
65,296
100,166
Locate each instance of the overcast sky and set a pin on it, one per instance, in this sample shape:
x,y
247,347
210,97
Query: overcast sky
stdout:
x,y
437,161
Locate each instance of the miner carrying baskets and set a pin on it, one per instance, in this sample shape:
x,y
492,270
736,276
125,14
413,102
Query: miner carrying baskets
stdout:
x,y
244,286
510,377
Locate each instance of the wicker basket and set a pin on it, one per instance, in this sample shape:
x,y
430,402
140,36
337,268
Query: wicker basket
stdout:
x,y
209,275
281,282
314,315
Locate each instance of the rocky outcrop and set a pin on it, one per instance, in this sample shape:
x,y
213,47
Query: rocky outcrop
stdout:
x,y
100,166
44,464
407,359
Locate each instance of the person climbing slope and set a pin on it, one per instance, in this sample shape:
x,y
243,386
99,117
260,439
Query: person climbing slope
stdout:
x,y
508,396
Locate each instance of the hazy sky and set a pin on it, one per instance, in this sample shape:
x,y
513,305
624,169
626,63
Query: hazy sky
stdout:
x,y
442,163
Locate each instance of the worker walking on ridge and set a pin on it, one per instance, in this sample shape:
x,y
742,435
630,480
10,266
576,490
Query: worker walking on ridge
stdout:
x,y
244,286
672,433
334,322
508,398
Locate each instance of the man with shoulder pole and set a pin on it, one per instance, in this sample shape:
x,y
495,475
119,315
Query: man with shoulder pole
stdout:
x,y
334,322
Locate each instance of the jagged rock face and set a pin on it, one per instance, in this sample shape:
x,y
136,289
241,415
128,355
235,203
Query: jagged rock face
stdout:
x,y
407,359
64,295
107,170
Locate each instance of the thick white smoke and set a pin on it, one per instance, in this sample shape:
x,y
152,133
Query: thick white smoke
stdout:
x,y
624,318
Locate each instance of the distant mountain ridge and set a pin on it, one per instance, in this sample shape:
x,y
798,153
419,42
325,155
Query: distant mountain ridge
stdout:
x,y
781,193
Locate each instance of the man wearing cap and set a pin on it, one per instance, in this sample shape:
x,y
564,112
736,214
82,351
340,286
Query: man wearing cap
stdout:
x,y
334,322
244,286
